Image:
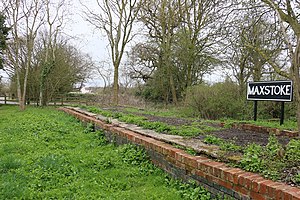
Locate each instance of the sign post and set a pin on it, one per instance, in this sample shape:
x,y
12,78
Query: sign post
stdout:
x,y
255,110
270,91
282,113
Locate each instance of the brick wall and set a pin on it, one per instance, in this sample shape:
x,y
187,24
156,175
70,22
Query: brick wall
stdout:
x,y
217,177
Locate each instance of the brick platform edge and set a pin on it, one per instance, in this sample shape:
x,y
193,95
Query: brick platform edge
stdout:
x,y
214,176
266,130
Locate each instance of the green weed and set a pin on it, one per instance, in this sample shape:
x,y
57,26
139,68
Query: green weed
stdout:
x,y
224,145
297,178
46,154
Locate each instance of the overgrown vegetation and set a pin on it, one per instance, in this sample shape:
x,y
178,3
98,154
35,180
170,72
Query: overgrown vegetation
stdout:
x,y
161,127
273,159
224,145
45,154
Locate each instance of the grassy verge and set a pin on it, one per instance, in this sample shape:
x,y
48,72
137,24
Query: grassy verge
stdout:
x,y
45,154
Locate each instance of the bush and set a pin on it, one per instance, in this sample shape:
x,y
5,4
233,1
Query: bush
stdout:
x,y
221,100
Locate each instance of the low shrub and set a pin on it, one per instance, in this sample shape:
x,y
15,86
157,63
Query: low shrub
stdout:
x,y
221,100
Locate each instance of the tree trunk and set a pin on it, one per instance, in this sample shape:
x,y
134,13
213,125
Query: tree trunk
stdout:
x,y
173,89
189,76
27,72
19,92
296,79
116,85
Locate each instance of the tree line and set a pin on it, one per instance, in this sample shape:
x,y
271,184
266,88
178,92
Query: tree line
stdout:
x,y
167,47
186,40
39,59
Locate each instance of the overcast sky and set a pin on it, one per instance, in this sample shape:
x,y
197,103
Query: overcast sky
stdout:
x,y
87,39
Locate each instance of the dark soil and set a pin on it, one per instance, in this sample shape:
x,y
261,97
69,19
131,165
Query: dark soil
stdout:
x,y
168,120
244,137
238,136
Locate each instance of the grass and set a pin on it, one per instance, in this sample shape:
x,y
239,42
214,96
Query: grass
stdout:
x,y
45,154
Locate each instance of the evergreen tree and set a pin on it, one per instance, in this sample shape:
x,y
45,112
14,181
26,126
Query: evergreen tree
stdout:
x,y
3,37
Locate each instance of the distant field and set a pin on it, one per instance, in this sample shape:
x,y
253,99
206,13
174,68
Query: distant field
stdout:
x,y
45,154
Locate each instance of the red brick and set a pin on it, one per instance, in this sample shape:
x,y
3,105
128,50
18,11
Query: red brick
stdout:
x,y
200,173
271,190
225,184
218,170
205,167
211,178
236,177
189,169
165,147
190,160
147,142
178,156
138,140
171,159
152,143
255,185
292,193
242,178
254,195
130,137
180,164
241,190
223,170
201,160
230,173
172,151
158,148
212,165
296,198
248,180
265,185
280,192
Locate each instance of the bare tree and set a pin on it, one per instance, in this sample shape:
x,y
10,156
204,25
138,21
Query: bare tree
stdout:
x,y
250,28
55,15
105,73
115,18
287,16
26,18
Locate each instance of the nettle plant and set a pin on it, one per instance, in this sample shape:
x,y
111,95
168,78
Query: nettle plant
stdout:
x,y
272,159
